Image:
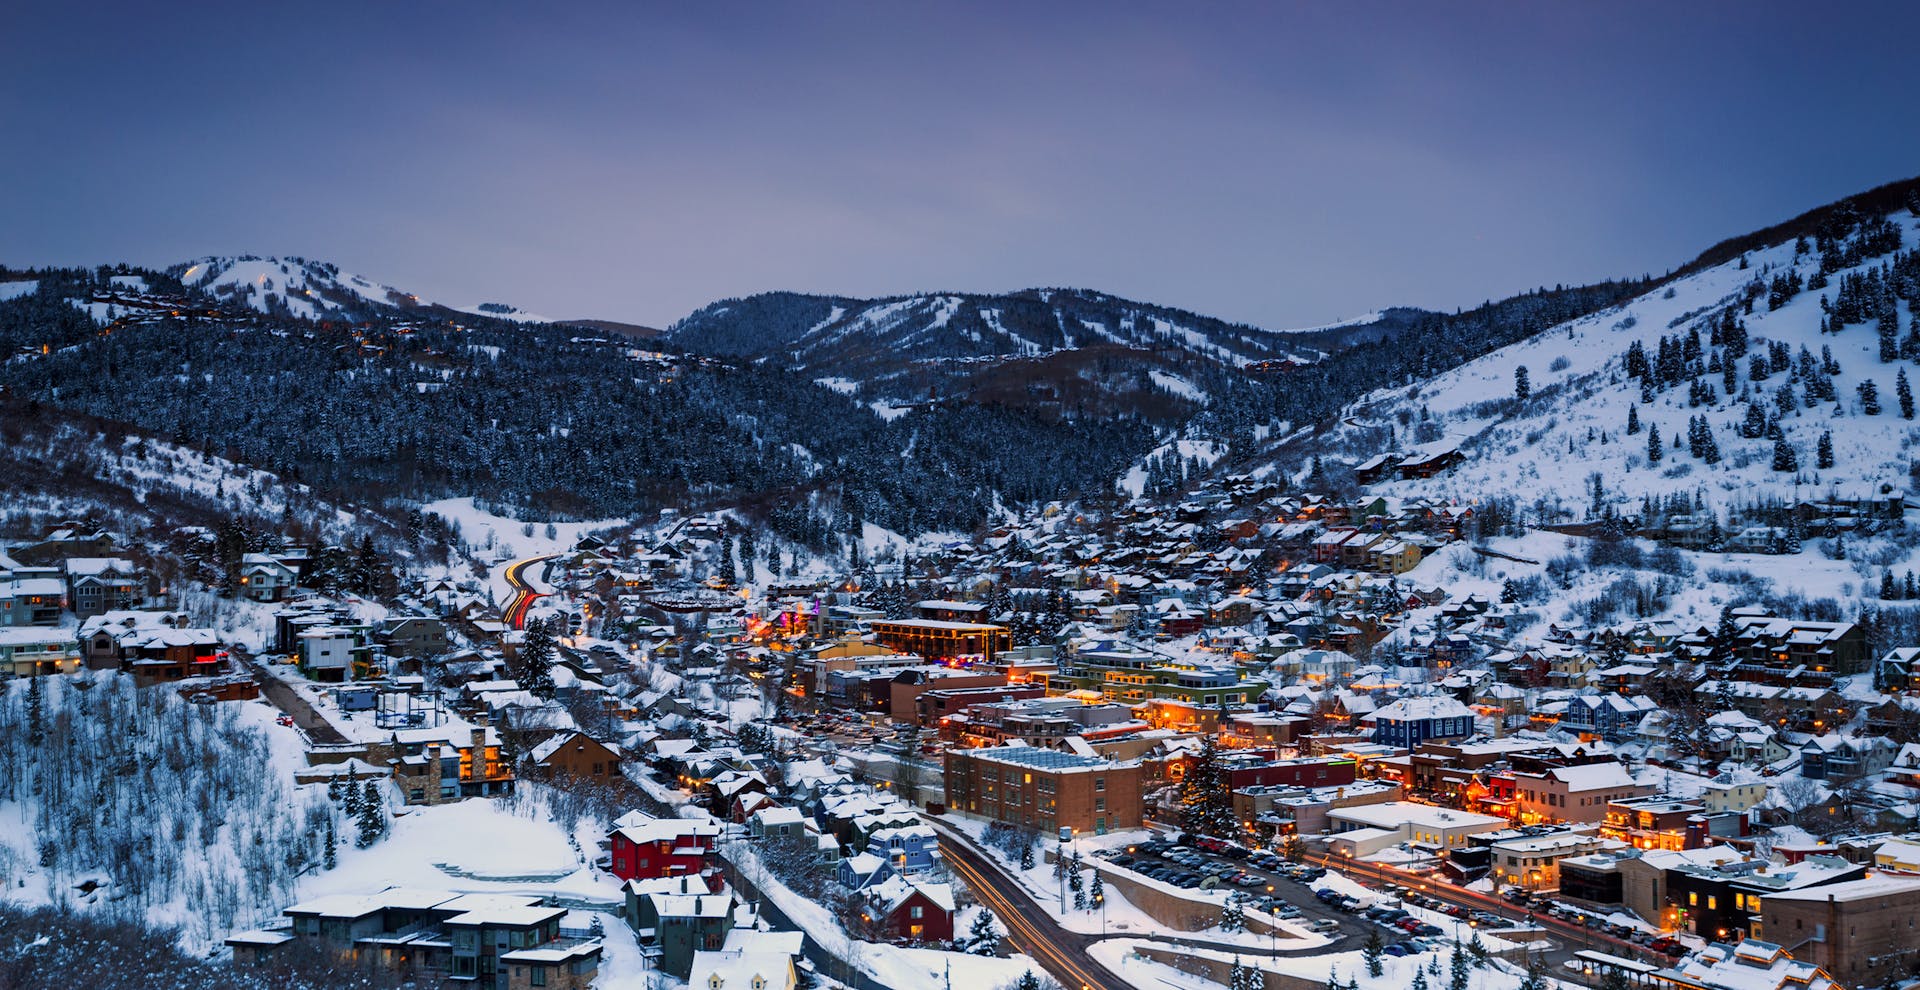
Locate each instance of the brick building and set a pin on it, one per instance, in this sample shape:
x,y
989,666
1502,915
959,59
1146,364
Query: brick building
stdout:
x,y
1046,789
1859,931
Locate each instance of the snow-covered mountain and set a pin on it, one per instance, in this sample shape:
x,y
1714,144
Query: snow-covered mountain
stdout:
x,y
1746,368
830,331
1072,347
313,290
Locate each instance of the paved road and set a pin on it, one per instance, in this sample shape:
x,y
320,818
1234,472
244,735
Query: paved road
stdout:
x,y
319,731
1061,953
826,963
1572,936
515,613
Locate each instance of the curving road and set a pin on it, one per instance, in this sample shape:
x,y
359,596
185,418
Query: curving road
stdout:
x,y
515,612
1031,930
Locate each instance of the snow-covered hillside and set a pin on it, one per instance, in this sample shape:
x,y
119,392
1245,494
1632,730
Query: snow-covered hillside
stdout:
x,y
1587,416
306,289
815,331
313,290
1036,345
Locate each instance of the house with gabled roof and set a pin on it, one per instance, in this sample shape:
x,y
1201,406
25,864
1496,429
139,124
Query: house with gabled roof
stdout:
x,y
910,911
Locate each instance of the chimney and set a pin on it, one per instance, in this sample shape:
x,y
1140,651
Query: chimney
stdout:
x,y
479,738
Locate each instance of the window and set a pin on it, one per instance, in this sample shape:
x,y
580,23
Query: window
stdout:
x,y
1099,783
1713,903
1100,804
917,912
538,977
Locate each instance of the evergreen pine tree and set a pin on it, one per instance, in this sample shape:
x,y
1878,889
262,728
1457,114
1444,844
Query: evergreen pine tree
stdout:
x,y
1027,981
1535,979
1419,980
372,822
36,712
1522,388
1869,398
533,667
1205,804
1096,891
1823,452
982,938
1904,393
1371,952
1633,420
330,859
1026,853
1457,968
1783,459
1654,449
1232,917
367,568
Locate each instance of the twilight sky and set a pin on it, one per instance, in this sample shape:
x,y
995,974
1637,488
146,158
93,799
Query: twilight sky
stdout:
x,y
1282,164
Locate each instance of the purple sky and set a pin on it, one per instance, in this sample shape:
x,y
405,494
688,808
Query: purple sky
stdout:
x,y
1286,165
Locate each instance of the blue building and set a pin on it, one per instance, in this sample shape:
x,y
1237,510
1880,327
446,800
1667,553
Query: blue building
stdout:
x,y
1611,716
908,849
1409,722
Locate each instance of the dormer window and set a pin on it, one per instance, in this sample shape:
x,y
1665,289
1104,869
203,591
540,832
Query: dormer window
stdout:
x,y
714,982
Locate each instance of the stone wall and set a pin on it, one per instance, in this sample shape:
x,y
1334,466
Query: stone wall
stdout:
x,y
1175,910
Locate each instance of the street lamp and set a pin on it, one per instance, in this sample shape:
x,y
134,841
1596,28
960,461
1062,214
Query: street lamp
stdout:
x,y
1273,927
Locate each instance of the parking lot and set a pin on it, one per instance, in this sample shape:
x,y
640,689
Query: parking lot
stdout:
x,y
1409,913
1263,881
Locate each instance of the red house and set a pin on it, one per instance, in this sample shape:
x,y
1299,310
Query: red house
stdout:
x,y
647,848
904,911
